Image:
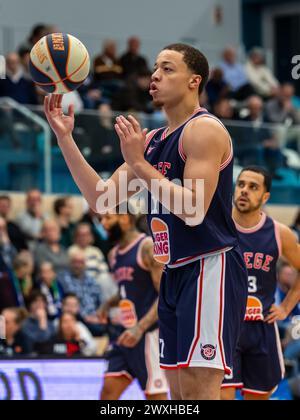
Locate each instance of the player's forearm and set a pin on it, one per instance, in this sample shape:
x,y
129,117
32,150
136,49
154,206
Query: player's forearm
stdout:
x,y
293,297
185,203
150,318
83,174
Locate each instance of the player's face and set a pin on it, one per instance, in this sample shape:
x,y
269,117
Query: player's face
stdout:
x,y
171,79
250,193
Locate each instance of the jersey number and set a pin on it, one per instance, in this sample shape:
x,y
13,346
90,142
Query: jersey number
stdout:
x,y
252,284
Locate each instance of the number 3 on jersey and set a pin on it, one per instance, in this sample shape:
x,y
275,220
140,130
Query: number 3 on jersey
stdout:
x,y
252,284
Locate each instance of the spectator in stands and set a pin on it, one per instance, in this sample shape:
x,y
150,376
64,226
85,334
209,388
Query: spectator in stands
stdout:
x,y
30,221
77,281
37,32
257,142
96,265
71,305
7,250
14,233
101,240
24,54
10,292
16,85
50,250
16,342
260,76
50,288
69,339
235,76
296,226
216,87
224,110
131,61
280,110
63,209
37,328
134,96
107,71
23,266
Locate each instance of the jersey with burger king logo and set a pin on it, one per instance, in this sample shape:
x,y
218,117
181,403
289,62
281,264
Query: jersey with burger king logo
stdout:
x,y
261,249
136,289
175,243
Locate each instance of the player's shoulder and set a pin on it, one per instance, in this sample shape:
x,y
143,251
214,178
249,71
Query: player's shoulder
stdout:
x,y
285,232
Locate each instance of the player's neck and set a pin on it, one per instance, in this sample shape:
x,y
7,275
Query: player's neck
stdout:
x,y
128,237
247,220
177,115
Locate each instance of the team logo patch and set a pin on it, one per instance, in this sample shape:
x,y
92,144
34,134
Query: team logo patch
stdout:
x,y
161,237
128,314
208,351
158,383
254,310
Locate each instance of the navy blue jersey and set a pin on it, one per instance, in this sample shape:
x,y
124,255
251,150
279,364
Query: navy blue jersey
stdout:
x,y
261,249
136,288
175,243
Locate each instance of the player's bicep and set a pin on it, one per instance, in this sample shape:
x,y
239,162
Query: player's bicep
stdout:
x,y
290,246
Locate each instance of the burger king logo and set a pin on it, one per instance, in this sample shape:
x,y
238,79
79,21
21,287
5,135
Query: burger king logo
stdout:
x,y
254,311
160,232
128,314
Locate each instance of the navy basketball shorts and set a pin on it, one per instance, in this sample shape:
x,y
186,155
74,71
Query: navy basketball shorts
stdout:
x,y
201,310
258,365
140,362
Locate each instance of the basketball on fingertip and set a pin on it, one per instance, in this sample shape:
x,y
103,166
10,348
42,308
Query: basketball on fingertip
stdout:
x,y
59,63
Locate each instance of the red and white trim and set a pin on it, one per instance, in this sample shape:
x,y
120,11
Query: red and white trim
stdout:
x,y
278,237
188,260
254,228
157,381
150,137
123,251
255,392
279,350
209,316
235,386
118,374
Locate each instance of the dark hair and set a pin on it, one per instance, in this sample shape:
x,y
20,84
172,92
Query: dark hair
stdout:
x,y
59,204
260,170
5,197
33,297
70,295
297,219
36,31
194,59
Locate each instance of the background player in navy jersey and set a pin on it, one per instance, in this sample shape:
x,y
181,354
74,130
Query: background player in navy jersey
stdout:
x,y
204,286
258,364
136,352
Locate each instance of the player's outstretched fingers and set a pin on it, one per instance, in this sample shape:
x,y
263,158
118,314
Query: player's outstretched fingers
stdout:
x,y
52,103
59,101
120,132
122,126
135,123
127,124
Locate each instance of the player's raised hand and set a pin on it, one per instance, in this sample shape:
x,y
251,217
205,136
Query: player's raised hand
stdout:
x,y
61,124
277,313
132,139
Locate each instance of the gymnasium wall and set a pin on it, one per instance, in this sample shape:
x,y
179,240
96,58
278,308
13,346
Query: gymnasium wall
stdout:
x,y
156,22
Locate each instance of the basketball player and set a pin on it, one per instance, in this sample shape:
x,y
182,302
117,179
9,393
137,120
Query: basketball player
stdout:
x,y
136,352
204,286
258,364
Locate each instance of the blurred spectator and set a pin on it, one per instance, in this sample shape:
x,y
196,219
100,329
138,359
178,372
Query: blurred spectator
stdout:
x,y
15,235
16,85
77,281
36,327
24,54
30,221
50,288
37,32
69,341
260,76
72,98
99,234
296,226
23,266
135,95
216,87
257,142
132,62
107,71
10,292
235,76
96,265
224,110
63,209
16,343
280,110
7,250
50,250
71,305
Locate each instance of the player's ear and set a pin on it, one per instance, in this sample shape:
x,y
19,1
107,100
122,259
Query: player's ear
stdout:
x,y
266,197
195,81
